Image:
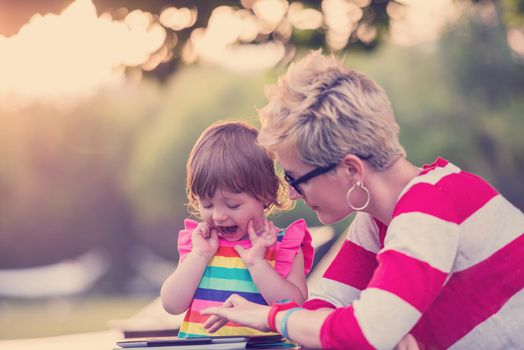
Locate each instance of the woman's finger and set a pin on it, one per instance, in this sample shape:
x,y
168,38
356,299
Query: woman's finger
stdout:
x,y
211,321
236,299
214,323
231,302
214,310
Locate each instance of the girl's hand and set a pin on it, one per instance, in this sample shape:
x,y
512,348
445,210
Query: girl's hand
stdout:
x,y
205,240
239,310
259,243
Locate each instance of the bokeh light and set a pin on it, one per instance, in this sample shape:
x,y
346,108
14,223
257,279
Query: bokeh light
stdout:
x,y
58,58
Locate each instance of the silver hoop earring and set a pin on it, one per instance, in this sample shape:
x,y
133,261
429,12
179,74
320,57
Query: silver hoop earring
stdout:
x,y
348,195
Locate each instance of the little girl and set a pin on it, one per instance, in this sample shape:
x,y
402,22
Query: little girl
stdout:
x,y
232,185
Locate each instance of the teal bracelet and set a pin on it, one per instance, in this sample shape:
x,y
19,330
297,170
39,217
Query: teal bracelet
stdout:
x,y
283,325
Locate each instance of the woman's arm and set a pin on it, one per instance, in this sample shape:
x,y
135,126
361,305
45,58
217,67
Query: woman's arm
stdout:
x,y
304,326
351,268
419,251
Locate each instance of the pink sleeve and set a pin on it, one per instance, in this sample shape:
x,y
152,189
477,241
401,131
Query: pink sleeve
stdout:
x,y
184,239
296,237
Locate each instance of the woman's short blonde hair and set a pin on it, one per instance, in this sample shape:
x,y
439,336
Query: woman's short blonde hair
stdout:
x,y
325,111
226,156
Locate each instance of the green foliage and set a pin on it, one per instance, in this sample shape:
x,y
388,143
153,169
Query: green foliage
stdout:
x,y
460,99
110,171
193,99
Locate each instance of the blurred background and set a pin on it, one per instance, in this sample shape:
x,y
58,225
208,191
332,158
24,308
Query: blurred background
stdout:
x,y
101,101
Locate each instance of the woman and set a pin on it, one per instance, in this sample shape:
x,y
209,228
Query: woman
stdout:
x,y
434,252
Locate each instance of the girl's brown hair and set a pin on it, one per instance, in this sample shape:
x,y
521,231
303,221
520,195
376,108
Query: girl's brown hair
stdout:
x,y
227,156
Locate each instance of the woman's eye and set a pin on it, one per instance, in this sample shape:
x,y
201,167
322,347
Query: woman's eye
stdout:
x,y
233,206
206,206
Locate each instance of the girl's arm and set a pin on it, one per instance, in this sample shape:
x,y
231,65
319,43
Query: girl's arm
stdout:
x,y
179,288
271,284
273,287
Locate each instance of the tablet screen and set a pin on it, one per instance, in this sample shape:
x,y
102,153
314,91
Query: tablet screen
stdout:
x,y
175,341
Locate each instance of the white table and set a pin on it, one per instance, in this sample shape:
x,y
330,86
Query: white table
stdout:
x,y
82,341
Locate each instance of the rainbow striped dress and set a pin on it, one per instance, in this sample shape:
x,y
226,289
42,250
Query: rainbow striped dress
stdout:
x,y
226,274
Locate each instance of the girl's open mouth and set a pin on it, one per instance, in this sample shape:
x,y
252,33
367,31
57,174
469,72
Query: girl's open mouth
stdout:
x,y
225,230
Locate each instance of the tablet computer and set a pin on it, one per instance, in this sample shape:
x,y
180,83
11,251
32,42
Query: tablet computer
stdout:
x,y
218,342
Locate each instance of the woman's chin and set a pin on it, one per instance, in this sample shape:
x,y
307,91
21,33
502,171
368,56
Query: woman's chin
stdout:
x,y
327,219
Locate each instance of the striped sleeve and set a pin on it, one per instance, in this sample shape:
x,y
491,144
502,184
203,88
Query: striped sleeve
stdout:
x,y
418,254
351,269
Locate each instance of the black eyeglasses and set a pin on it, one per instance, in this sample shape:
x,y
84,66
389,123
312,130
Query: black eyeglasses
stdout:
x,y
295,183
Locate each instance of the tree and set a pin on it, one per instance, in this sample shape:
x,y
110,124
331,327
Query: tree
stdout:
x,y
332,24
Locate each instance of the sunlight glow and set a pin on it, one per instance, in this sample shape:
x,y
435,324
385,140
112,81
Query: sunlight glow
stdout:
x,y
249,26
270,12
178,19
252,57
72,55
223,42
59,58
421,21
515,39
304,18
341,17
366,33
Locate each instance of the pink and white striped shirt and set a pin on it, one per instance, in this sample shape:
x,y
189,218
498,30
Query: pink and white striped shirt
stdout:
x,y
449,269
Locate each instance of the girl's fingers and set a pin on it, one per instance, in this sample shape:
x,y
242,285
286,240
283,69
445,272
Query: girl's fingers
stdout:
x,y
240,250
251,231
273,229
267,227
271,233
204,230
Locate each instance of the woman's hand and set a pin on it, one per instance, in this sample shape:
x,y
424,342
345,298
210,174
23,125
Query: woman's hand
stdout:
x,y
204,240
259,243
239,310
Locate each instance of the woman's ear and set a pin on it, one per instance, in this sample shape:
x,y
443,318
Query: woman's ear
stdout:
x,y
353,166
